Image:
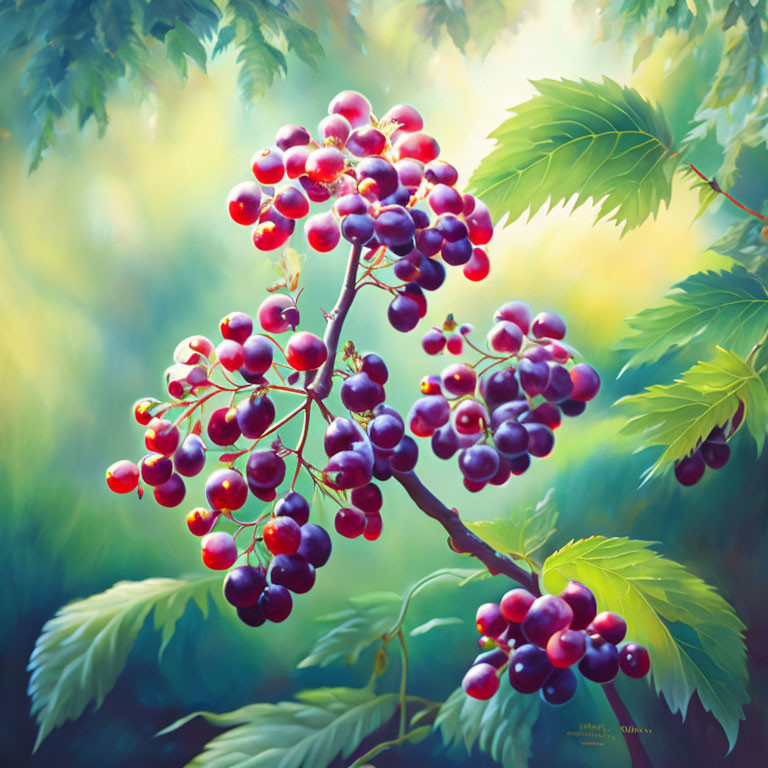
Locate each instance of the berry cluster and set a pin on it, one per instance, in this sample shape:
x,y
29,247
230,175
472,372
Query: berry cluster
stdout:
x,y
539,639
498,418
391,196
242,370
714,452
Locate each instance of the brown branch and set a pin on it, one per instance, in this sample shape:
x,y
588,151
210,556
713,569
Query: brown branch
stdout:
x,y
629,730
715,187
321,386
461,538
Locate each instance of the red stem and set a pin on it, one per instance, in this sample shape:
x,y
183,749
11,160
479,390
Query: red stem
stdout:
x,y
717,188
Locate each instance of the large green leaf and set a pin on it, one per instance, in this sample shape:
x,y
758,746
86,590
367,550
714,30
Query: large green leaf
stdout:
x,y
307,733
678,416
523,532
84,648
501,725
592,140
694,637
728,308
354,629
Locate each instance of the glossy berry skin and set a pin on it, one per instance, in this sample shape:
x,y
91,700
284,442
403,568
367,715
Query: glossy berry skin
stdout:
x,y
293,505
123,476
517,312
275,603
365,141
292,572
226,489
162,436
470,417
515,604
609,626
505,338
265,470
244,203
560,386
219,551
243,586
496,657
386,431
582,602
691,469
405,456
433,341
572,407
189,458
715,455
322,231
511,439
406,116
479,223
282,535
350,522
586,382
315,545
291,136
459,379
200,521
547,615
403,313
348,469
560,687
230,354
252,616
254,415
368,498
529,668
373,526
377,175
428,414
479,463
325,164
541,440
360,393
291,203
548,325
498,387
353,106
534,376
341,435
600,663
267,166
566,647
481,681
634,660
489,620
236,326
478,267
418,146
171,493
305,351
222,426
271,310
142,408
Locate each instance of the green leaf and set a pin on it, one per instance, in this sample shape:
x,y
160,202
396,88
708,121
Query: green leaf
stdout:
x,y
694,638
725,308
307,733
354,629
428,626
679,416
500,726
592,140
523,532
84,648
744,242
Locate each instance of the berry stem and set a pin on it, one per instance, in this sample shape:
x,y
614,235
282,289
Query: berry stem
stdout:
x,y
629,730
462,538
321,387
715,187
403,681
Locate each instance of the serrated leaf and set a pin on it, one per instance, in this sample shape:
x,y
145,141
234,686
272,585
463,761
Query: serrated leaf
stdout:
x,y
523,532
353,630
501,725
729,308
310,732
591,140
428,626
84,648
679,416
694,638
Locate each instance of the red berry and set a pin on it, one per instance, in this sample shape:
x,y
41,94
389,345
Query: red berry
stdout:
x,y
244,203
505,337
142,408
366,141
236,326
336,128
418,146
433,343
296,161
273,229
270,313
291,136
373,524
155,469
489,620
226,489
325,164
122,476
222,426
610,626
219,551
350,522
290,202
193,350
634,660
566,647
282,535
582,602
586,382
517,312
409,118
478,267
455,344
548,325
200,520
479,223
368,498
162,436
267,165
515,604
481,681
547,615
352,105
305,351
322,231
230,354
172,492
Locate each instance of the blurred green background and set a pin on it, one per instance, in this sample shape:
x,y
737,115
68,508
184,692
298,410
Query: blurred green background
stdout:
x,y
118,247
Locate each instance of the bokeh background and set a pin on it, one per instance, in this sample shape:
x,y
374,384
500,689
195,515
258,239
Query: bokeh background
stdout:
x,y
117,247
